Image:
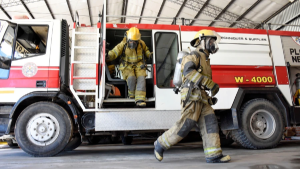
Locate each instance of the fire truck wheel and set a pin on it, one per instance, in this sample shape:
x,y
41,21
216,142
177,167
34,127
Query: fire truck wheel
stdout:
x,y
261,125
74,143
43,129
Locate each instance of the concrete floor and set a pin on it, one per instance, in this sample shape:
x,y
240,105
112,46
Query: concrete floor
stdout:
x,y
140,155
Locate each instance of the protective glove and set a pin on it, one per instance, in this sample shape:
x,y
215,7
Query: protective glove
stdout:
x,y
212,100
107,57
150,56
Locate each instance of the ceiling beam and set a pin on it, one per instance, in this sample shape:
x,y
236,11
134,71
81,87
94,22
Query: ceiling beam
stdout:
x,y
27,9
246,12
123,5
46,2
3,10
124,10
90,15
125,13
275,13
296,17
179,11
221,13
142,10
161,7
70,9
200,11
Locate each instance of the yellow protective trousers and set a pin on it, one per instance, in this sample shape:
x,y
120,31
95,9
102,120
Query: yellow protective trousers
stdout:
x,y
136,81
195,114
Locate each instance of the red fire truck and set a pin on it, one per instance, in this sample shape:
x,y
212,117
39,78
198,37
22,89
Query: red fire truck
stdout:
x,y
50,101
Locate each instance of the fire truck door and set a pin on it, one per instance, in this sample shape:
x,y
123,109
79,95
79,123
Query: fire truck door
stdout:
x,y
28,63
166,47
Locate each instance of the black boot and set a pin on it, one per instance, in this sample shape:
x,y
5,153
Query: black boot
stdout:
x,y
158,151
219,159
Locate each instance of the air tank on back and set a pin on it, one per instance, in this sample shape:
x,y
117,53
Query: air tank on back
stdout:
x,y
177,79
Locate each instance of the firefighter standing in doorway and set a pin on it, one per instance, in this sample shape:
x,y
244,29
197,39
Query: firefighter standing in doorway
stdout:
x,y
132,51
196,103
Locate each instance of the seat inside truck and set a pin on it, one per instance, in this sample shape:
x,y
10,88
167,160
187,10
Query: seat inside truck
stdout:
x,y
115,81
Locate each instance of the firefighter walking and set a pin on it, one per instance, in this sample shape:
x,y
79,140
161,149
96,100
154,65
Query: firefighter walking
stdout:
x,y
132,51
196,103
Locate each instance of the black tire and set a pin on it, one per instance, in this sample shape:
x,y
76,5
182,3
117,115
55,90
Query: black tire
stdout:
x,y
246,137
94,139
126,140
11,144
62,137
74,143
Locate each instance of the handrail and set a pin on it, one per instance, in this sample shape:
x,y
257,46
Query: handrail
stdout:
x,y
76,18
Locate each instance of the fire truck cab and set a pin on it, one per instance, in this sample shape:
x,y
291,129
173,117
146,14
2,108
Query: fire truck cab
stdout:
x,y
49,101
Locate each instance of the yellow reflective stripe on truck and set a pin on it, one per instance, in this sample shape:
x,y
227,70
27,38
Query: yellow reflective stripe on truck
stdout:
x,y
7,92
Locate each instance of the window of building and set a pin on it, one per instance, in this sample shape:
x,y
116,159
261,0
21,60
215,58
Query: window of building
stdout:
x,y
31,41
166,50
6,49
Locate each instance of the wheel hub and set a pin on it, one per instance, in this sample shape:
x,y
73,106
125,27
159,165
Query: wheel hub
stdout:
x,y
262,124
42,129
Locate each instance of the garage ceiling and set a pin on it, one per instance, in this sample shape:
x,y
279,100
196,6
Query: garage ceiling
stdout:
x,y
251,12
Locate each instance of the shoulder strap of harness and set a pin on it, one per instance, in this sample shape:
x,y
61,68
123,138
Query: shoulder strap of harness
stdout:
x,y
195,53
202,51
123,53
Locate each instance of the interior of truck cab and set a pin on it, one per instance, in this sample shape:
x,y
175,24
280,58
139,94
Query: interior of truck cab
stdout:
x,y
31,41
116,88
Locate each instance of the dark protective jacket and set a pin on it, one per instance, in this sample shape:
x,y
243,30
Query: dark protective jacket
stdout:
x,y
193,68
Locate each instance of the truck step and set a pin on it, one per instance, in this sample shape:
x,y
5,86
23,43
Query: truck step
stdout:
x,y
87,29
85,33
85,70
116,100
84,84
85,93
84,47
86,40
85,55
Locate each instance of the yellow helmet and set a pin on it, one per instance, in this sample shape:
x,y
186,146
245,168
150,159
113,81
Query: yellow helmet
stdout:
x,y
205,33
133,34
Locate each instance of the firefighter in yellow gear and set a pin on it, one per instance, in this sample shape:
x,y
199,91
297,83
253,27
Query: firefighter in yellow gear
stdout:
x,y
133,51
196,103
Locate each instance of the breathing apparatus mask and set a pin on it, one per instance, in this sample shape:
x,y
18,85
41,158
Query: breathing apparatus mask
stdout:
x,y
132,44
208,40
211,45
